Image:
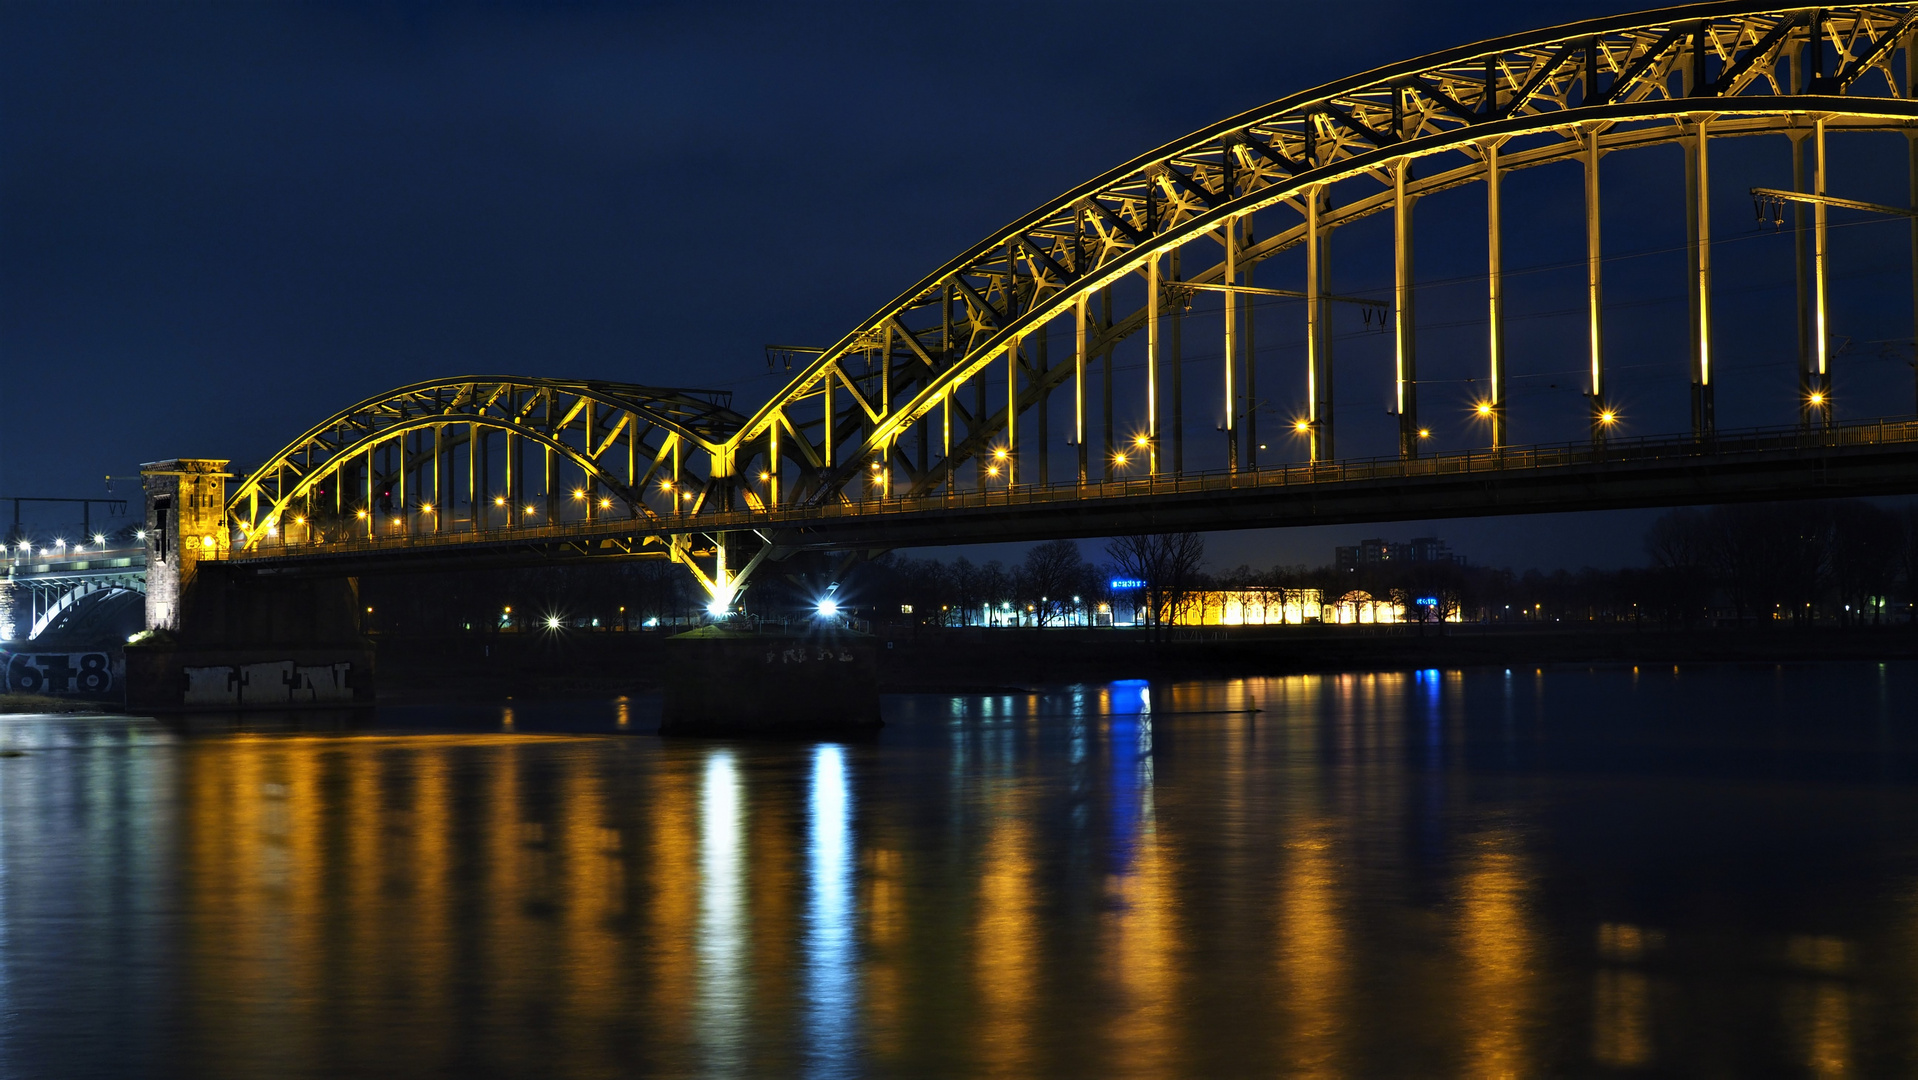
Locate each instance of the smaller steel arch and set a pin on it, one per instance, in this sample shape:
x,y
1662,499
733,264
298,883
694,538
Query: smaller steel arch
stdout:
x,y
551,413
73,599
591,467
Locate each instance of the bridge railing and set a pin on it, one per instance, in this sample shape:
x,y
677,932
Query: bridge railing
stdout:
x,y
1626,450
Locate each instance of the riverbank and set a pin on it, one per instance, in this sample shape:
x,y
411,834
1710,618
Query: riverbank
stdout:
x,y
959,660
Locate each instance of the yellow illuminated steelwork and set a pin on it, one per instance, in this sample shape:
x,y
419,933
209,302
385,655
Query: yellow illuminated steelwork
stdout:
x,y
898,381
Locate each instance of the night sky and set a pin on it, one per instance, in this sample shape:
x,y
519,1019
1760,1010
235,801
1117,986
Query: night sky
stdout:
x,y
220,224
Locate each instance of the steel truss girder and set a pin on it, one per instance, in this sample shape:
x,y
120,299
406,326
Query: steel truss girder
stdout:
x,y
655,422
1716,59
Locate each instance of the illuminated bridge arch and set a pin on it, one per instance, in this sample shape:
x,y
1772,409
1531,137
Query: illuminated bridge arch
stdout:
x,y
490,455
933,391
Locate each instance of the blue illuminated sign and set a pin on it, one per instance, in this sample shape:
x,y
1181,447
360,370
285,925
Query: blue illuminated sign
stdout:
x,y
1428,601
1126,583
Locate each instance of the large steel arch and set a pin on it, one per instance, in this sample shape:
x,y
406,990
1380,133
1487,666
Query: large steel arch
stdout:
x,y
1315,161
416,458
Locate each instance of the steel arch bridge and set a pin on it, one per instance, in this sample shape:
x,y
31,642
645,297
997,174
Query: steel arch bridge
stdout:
x,y
918,425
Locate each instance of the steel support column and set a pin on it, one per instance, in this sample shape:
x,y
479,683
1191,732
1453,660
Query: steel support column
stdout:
x,y
1493,407
1404,337
1251,367
1178,374
1318,414
1079,383
1602,414
1012,412
1231,340
1819,399
1698,215
1152,363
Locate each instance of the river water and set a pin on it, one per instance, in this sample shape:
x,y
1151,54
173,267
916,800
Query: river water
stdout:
x,y
1476,873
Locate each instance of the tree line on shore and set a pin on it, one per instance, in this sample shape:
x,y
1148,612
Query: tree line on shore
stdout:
x,y
1837,562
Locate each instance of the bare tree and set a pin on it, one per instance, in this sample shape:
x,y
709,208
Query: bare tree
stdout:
x,y
1167,565
1052,573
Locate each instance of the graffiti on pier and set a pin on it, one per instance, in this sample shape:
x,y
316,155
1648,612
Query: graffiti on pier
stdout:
x,y
278,682
59,672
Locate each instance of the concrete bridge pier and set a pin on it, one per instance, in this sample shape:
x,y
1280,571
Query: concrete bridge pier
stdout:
x,y
219,637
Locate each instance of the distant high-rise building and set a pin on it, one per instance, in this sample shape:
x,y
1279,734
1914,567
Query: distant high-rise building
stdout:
x,y
1376,552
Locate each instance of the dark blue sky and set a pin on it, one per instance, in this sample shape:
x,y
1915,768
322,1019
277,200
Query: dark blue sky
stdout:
x,y
220,224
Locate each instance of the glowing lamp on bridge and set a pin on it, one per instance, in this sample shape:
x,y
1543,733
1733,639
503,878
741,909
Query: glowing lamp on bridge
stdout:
x,y
999,453
992,470
876,466
1608,417
1425,433
765,476
827,607
1142,441
579,493
206,541
1119,460
552,622
499,500
100,539
717,607
1301,426
1817,398
296,521
361,514
605,504
1483,408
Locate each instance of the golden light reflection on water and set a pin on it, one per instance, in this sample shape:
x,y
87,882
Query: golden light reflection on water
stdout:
x,y
1818,1011
1312,955
1496,948
1142,941
673,906
1622,996
1005,943
1306,888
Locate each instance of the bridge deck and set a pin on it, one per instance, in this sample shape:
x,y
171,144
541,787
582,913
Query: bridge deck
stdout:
x,y
1865,458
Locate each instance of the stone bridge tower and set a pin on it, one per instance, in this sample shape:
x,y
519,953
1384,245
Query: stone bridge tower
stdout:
x,y
185,524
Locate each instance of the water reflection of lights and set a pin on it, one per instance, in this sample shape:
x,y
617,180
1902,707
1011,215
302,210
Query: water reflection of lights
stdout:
x,y
721,944
1496,999
831,989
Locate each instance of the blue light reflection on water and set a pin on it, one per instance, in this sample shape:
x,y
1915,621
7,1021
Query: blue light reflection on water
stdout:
x,y
832,992
722,946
